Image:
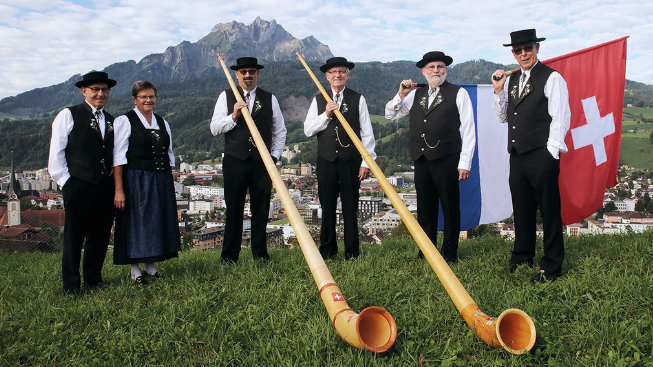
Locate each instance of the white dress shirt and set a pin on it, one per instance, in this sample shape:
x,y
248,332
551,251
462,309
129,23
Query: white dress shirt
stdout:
x,y
223,122
314,124
61,128
398,108
123,130
555,90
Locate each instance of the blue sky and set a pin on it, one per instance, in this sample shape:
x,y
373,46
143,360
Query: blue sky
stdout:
x,y
45,42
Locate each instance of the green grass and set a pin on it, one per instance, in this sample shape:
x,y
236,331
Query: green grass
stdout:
x,y
636,152
251,314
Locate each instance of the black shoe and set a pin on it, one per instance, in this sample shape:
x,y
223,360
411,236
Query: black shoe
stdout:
x,y
96,285
71,292
351,256
156,275
543,277
140,280
513,266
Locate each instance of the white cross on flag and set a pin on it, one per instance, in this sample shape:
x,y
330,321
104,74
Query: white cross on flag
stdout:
x,y
595,78
337,297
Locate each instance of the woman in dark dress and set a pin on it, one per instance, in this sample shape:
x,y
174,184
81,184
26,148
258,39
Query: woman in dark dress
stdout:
x,y
146,230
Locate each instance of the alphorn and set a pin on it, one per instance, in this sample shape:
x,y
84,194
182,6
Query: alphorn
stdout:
x,y
513,330
373,328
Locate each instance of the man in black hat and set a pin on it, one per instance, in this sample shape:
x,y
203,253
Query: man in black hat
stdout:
x,y
340,167
535,104
442,139
81,162
242,165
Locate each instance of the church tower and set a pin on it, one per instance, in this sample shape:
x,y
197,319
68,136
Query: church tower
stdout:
x,y
13,204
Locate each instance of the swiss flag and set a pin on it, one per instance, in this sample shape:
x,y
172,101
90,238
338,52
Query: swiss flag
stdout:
x,y
596,78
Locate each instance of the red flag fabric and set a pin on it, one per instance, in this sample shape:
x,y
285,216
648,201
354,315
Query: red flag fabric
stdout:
x,y
596,78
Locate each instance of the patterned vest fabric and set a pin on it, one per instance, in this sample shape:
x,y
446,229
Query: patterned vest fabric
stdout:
x,y
148,149
435,131
528,114
88,156
238,141
334,142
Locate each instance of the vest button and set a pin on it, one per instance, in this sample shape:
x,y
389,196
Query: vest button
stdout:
x,y
513,141
422,149
514,127
423,135
336,152
515,113
424,120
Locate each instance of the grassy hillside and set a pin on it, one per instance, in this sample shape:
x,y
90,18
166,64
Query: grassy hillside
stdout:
x,y
204,314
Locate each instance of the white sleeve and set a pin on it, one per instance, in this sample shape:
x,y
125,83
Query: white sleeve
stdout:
x,y
556,92
467,129
397,108
57,164
500,104
278,130
122,130
314,123
367,135
222,121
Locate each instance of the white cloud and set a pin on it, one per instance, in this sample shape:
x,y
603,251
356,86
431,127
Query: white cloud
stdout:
x,y
47,41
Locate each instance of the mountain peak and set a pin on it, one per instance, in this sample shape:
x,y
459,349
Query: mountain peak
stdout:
x,y
265,40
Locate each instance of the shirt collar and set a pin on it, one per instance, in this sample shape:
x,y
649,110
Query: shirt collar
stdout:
x,y
93,109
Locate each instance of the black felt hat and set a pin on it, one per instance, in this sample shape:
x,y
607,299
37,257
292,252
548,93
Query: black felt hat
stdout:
x,y
246,62
434,56
336,61
96,77
523,37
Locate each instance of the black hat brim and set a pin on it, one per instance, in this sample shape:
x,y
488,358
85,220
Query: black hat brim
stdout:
x,y
324,68
83,83
238,67
534,40
446,59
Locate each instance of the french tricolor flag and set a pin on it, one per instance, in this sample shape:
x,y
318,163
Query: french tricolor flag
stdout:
x,y
485,195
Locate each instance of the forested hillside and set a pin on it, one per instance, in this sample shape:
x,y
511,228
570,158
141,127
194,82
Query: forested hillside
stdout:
x,y
188,107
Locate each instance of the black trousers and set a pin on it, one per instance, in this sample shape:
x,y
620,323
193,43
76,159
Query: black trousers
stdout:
x,y
338,178
534,183
240,176
437,181
88,220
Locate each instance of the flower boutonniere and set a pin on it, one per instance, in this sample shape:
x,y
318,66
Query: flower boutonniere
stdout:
x,y
156,135
94,125
257,106
423,102
109,126
438,99
513,91
344,108
527,89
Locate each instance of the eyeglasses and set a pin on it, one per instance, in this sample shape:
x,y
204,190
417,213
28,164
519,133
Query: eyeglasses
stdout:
x,y
245,72
433,67
145,98
341,72
518,50
96,89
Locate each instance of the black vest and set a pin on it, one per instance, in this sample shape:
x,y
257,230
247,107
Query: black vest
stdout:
x,y
528,117
334,142
148,149
238,142
88,156
435,132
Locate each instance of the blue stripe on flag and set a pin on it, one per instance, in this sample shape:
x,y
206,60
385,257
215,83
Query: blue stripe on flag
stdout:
x,y
485,196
